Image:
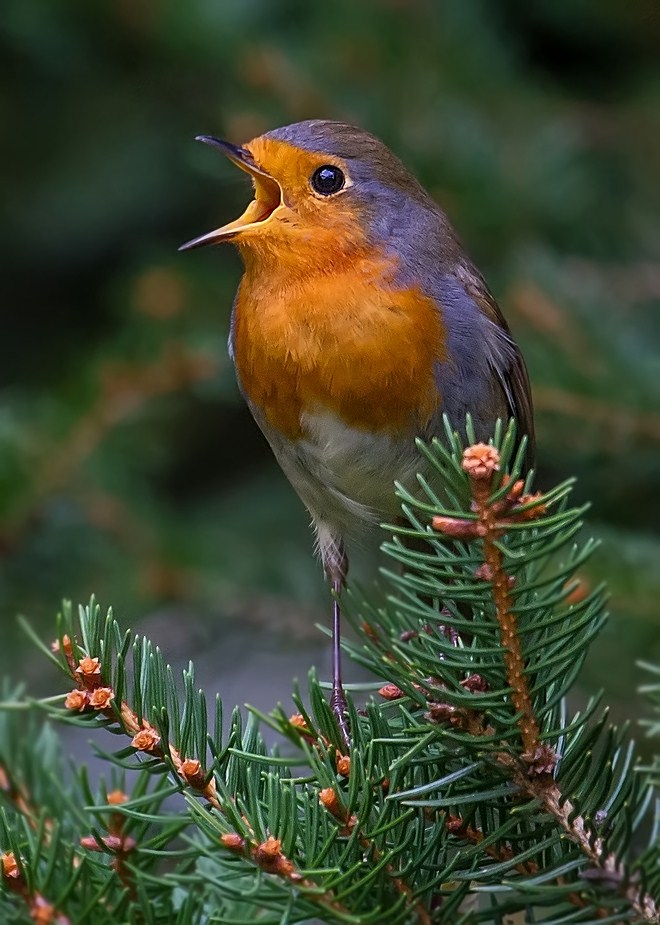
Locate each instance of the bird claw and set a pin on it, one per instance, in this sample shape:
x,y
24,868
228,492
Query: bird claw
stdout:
x,y
340,709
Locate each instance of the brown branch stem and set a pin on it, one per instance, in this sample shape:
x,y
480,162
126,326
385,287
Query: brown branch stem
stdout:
x,y
514,661
481,462
544,789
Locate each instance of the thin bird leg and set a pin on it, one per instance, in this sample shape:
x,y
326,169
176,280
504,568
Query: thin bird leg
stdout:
x,y
338,697
336,568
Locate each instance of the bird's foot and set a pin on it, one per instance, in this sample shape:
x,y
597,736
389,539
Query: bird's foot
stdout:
x,y
340,709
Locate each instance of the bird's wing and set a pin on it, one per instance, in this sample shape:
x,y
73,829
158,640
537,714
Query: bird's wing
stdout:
x,y
480,330
506,360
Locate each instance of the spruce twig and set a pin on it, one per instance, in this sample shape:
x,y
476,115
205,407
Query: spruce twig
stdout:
x,y
465,776
40,910
93,693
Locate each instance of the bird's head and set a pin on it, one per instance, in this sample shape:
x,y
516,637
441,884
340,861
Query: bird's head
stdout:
x,y
318,186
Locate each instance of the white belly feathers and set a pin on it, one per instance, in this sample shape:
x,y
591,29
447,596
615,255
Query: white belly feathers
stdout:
x,y
345,476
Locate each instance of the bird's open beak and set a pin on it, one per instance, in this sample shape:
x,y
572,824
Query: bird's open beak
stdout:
x,y
267,196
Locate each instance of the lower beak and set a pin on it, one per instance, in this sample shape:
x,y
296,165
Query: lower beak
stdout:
x,y
267,196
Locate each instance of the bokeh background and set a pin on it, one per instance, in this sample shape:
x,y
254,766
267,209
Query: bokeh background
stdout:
x,y
128,464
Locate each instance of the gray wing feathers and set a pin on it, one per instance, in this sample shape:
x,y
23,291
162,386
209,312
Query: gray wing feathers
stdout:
x,y
485,374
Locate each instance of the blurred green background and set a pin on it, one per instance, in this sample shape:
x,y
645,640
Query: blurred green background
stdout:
x,y
128,464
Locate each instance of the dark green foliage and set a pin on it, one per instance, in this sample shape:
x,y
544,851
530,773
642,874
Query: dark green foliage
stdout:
x,y
452,810
536,125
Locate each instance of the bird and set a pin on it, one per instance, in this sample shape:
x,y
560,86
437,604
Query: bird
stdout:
x,y
358,323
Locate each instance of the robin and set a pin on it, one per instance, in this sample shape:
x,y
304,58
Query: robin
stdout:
x,y
358,323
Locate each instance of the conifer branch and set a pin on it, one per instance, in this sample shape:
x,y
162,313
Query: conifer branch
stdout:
x,y
94,693
463,830
40,910
481,461
329,798
465,777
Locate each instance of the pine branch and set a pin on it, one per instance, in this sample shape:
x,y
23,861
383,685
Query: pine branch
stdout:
x,y
481,461
494,518
94,693
40,910
465,776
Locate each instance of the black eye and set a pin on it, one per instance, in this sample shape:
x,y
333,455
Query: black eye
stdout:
x,y
327,180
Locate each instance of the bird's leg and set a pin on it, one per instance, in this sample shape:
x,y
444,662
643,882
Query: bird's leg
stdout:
x,y
335,563
338,697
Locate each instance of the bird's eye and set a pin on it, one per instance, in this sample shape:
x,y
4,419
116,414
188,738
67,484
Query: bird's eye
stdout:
x,y
327,180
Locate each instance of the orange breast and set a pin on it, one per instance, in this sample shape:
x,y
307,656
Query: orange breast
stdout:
x,y
344,342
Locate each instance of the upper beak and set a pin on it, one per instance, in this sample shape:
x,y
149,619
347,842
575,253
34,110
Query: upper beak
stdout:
x,y
267,197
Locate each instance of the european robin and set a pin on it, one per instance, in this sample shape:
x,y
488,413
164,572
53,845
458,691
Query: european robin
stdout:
x,y
358,323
